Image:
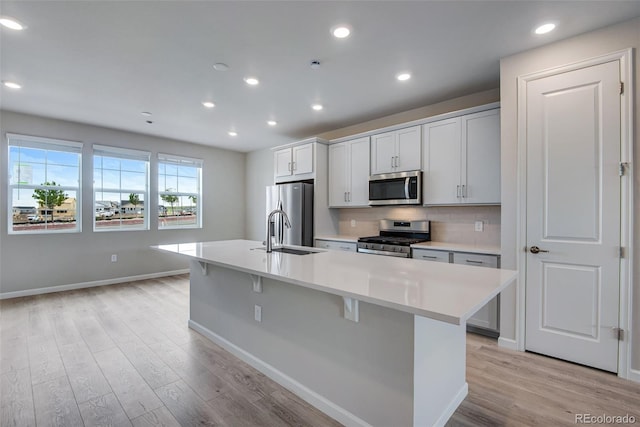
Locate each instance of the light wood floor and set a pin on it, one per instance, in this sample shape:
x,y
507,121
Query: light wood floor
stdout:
x,y
122,355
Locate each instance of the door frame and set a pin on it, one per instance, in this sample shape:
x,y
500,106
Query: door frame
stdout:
x,y
626,200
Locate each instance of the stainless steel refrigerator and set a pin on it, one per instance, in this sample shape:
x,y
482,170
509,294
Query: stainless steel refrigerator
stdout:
x,y
296,199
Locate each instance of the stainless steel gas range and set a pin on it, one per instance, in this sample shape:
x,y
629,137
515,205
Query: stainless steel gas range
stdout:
x,y
396,238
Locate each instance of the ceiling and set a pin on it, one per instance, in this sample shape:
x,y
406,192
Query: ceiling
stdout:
x,y
105,62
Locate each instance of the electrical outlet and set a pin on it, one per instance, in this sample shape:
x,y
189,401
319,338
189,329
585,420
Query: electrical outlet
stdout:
x,y
257,313
479,226
353,223
114,258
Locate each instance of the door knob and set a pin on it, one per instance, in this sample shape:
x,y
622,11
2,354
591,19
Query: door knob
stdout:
x,y
535,250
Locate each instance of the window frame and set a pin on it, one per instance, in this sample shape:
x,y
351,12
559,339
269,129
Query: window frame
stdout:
x,y
127,154
172,159
48,144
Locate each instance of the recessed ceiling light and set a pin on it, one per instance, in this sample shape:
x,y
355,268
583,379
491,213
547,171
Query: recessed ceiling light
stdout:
x,y
317,107
272,122
219,66
251,81
12,85
341,32
11,23
208,104
232,133
545,28
146,113
403,76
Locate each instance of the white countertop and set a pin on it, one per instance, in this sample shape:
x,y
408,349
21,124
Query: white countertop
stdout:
x,y
337,238
446,292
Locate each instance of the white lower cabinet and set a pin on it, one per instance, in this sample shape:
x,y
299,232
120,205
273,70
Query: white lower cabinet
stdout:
x,y
486,320
336,245
431,255
488,316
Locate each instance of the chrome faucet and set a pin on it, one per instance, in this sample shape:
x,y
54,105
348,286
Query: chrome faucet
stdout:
x,y
269,219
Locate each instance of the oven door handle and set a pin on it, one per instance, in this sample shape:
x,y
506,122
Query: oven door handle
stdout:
x,y
372,251
406,187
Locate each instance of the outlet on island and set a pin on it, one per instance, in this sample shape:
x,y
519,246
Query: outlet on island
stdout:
x,y
257,313
114,258
479,226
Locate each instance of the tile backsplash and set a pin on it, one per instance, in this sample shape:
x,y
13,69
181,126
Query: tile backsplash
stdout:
x,y
451,224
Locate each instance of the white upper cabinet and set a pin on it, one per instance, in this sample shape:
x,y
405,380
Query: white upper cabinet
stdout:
x,y
282,159
349,173
481,176
462,160
293,161
396,151
302,159
441,178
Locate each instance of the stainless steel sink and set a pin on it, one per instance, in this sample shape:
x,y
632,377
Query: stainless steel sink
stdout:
x,y
293,251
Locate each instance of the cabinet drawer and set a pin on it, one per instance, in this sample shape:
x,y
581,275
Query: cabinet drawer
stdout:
x,y
336,245
430,255
478,260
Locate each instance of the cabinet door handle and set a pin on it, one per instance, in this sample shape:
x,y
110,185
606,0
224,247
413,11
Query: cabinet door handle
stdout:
x,y
294,165
397,161
472,261
345,196
392,164
464,191
458,191
289,166
428,257
348,196
345,248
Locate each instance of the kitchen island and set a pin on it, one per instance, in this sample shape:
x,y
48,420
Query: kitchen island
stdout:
x,y
369,340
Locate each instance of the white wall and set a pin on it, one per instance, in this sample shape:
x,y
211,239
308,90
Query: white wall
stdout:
x,y
259,175
44,260
600,42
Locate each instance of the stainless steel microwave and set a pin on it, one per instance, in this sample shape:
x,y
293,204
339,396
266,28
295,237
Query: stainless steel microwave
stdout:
x,y
400,188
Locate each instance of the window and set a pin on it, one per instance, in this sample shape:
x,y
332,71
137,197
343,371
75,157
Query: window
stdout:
x,y
179,192
44,185
120,189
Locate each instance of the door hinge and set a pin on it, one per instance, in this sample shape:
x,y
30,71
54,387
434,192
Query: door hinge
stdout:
x,y
622,168
621,252
621,88
619,332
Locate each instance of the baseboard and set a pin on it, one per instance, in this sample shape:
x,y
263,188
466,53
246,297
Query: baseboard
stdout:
x,y
634,375
452,406
60,288
508,343
322,403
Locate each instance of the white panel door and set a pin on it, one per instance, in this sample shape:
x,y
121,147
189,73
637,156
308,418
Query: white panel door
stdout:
x,y
338,179
481,158
442,160
282,160
573,212
302,159
409,144
383,147
358,167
